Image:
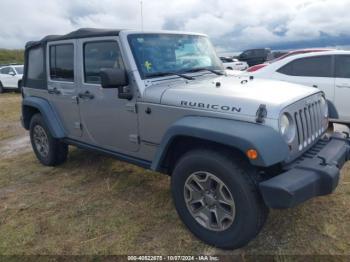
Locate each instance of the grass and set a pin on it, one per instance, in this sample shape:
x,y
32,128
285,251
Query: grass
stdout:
x,y
10,115
97,205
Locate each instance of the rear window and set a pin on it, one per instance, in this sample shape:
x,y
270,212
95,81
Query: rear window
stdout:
x,y
342,66
320,66
62,62
19,69
35,64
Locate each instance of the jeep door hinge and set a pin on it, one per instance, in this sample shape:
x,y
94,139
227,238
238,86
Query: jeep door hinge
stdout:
x,y
131,107
78,125
134,138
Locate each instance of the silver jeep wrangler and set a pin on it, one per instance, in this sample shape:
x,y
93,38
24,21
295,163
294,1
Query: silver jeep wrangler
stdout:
x,y
233,146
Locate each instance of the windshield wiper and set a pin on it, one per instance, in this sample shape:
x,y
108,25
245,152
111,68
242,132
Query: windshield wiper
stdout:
x,y
169,74
204,69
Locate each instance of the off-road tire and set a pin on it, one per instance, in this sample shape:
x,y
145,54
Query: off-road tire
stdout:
x,y
1,88
242,181
57,151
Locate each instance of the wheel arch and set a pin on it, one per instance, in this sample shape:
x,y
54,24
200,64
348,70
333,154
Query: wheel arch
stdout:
x,y
34,105
236,136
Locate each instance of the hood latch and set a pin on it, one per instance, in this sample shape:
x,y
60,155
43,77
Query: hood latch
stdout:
x,y
261,114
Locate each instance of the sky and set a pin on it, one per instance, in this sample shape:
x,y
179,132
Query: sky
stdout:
x,y
232,25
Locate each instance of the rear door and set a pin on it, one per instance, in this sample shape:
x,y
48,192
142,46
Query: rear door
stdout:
x,y
316,71
108,121
342,86
62,88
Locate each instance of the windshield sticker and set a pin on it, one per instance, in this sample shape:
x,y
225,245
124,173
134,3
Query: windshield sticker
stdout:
x,y
140,40
148,66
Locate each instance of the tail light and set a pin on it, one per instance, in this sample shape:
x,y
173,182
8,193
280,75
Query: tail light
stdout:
x,y
255,68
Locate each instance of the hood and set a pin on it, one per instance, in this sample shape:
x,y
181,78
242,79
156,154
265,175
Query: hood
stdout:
x,y
230,94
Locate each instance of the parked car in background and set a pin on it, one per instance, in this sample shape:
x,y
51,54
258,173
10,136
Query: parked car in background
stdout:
x,y
287,54
11,77
276,54
329,71
233,63
255,56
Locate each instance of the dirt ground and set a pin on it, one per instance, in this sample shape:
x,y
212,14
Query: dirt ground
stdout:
x,y
96,205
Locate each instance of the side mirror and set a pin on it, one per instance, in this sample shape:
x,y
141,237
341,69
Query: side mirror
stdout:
x,y
116,78
12,73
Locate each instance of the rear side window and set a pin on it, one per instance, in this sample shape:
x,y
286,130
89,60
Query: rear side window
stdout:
x,y
62,62
342,66
35,69
320,66
99,55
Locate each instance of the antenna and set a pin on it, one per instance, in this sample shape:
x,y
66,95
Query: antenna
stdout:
x,y
141,7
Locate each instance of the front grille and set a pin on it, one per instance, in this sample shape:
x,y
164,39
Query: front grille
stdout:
x,y
308,122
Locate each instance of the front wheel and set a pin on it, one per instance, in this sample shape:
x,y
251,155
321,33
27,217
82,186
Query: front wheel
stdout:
x,y
1,88
217,198
49,150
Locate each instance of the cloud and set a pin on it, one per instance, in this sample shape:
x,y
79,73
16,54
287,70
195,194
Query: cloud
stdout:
x,y
232,25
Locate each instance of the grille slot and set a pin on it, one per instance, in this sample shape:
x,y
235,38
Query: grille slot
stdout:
x,y
308,121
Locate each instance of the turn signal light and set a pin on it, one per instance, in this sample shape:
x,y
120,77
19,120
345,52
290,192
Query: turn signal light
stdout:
x,y
252,154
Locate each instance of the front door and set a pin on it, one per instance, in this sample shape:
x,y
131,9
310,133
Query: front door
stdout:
x,y
108,121
342,86
62,85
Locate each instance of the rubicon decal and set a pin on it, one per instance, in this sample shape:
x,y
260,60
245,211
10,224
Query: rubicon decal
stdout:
x,y
210,106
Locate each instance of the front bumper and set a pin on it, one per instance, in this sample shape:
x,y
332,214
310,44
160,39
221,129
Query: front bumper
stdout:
x,y
316,173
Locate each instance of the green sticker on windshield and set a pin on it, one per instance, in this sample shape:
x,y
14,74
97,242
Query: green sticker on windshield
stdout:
x,y
148,66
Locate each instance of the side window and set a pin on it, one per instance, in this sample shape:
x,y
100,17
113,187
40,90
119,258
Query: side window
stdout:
x,y
286,69
320,66
342,66
62,62
5,70
11,71
35,64
98,55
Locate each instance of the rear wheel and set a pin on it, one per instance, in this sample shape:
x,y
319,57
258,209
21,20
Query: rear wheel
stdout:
x,y
48,150
218,199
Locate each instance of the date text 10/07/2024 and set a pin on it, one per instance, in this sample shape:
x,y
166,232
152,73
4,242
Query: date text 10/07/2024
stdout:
x,y
173,258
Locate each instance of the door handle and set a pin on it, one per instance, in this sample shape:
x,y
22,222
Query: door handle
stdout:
x,y
343,86
54,91
315,86
86,95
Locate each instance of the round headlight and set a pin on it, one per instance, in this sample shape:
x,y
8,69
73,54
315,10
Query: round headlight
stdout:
x,y
287,127
324,107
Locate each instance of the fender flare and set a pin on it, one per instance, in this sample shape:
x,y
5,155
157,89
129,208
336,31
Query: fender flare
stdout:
x,y
332,111
271,147
49,115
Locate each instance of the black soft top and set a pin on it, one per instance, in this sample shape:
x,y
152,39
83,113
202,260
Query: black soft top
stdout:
x,y
80,33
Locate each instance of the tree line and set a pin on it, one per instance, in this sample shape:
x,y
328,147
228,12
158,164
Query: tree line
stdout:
x,y
11,56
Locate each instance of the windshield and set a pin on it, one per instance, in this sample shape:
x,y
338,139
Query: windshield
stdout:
x,y
170,53
19,70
